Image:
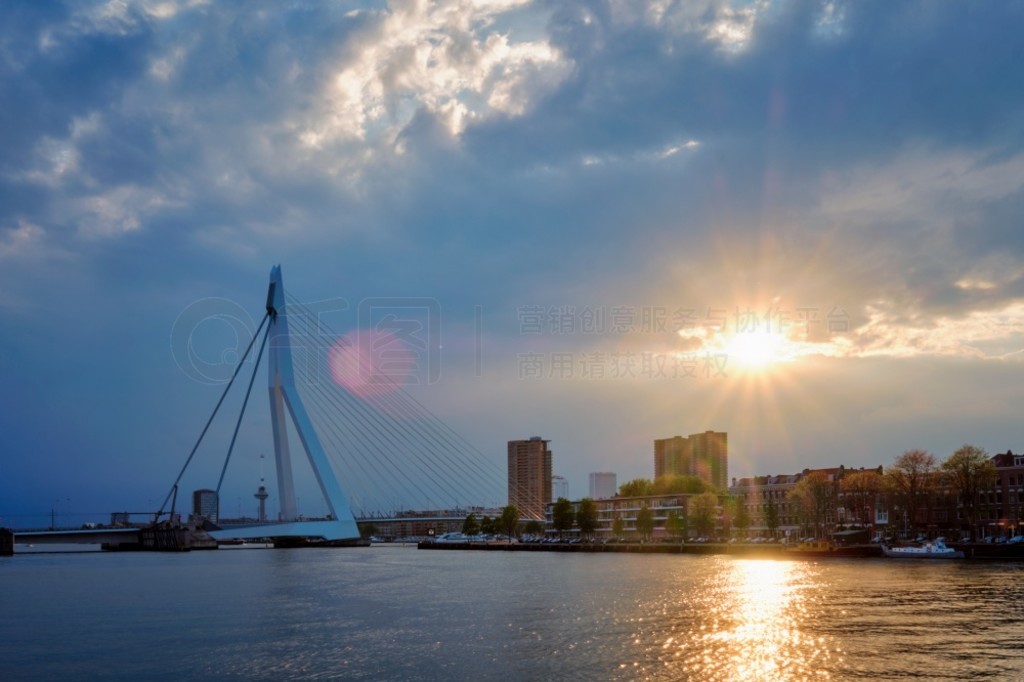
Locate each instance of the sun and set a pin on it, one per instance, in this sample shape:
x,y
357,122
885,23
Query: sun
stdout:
x,y
758,349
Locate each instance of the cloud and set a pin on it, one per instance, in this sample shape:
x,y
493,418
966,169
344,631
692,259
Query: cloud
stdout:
x,y
864,157
18,241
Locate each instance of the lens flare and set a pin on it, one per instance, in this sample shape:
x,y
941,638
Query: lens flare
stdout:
x,y
370,364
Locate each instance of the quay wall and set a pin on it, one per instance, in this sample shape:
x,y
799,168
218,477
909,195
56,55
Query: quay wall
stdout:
x,y
744,550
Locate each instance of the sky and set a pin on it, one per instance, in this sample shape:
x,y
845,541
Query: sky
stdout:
x,y
798,222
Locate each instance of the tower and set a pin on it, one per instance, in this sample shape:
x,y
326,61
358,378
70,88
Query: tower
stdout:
x,y
710,457
285,396
262,495
529,476
671,456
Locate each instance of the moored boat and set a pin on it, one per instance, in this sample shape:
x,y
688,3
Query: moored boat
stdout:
x,y
929,550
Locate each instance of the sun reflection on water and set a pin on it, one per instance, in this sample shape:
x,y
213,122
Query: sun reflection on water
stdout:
x,y
747,621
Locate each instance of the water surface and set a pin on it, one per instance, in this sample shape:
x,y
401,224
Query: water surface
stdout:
x,y
400,614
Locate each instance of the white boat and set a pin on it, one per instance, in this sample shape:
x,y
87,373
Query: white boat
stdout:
x,y
929,550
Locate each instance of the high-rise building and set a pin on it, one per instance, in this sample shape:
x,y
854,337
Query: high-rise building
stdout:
x,y
529,476
704,455
559,487
709,456
671,456
602,485
204,503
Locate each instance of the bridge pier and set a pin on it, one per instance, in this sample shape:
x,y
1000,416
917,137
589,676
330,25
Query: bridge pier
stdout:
x,y
6,542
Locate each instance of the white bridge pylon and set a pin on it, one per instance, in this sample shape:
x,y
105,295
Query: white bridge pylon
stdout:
x,y
285,400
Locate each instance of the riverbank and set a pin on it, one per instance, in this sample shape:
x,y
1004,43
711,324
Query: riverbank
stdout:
x,y
766,551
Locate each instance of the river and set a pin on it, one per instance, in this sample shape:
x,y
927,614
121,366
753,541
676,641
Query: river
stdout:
x,y
395,613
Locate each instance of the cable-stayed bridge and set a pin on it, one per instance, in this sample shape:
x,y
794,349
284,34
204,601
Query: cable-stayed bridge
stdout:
x,y
373,449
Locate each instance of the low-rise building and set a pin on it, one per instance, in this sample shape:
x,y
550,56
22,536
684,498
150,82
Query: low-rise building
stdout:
x,y
626,510
774,513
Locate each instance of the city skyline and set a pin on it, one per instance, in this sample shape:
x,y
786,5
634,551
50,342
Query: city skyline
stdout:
x,y
794,222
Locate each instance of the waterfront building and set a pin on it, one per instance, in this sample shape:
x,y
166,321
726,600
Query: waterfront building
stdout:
x,y
204,503
420,524
626,509
529,476
704,455
559,487
763,494
766,497
1001,508
602,485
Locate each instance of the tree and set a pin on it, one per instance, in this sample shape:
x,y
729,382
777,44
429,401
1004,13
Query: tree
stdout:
x,y
771,518
508,521
367,530
860,488
586,516
741,516
675,526
638,487
470,526
668,484
703,513
644,522
534,527
814,499
912,477
562,516
971,472
618,527
487,525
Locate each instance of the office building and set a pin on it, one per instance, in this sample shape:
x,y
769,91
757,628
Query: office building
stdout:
x,y
559,487
602,485
204,503
529,476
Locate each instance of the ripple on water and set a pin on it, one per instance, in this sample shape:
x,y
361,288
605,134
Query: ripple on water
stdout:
x,y
407,615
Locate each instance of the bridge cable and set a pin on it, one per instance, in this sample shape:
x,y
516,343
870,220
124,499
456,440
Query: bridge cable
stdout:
x,y
395,403
398,439
409,421
209,421
241,413
362,424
